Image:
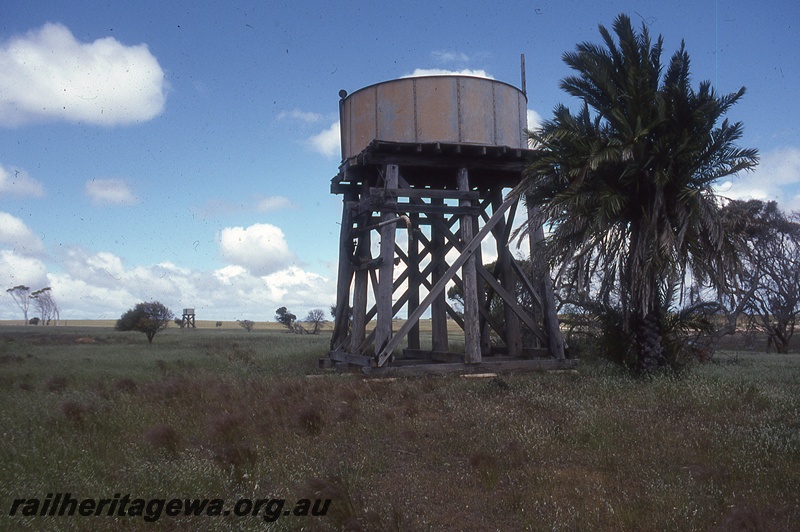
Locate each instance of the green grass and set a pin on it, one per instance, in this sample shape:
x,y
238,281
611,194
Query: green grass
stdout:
x,y
230,414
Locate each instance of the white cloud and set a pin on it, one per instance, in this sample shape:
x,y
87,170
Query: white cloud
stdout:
x,y
110,192
105,262
328,142
776,178
13,231
272,203
100,286
17,269
534,119
302,116
443,72
221,207
19,183
260,248
227,274
47,74
293,286
450,57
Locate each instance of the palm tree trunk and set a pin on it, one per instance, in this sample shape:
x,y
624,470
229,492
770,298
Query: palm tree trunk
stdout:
x,y
649,342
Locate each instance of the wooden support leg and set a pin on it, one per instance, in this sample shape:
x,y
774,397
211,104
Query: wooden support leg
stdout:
x,y
414,280
469,278
555,340
439,306
361,288
507,281
345,275
383,329
485,327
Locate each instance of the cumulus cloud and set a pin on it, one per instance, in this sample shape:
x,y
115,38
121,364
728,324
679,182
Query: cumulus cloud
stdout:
x,y
47,74
14,232
777,178
444,72
17,269
272,203
534,119
219,207
328,142
302,116
295,286
450,57
101,286
19,183
110,192
260,248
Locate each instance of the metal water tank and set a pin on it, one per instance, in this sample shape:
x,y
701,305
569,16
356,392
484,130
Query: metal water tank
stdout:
x,y
446,109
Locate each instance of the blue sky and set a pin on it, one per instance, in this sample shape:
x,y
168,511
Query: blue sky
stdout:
x,y
182,151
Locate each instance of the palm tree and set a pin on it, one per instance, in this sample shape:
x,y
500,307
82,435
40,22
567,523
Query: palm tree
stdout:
x,y
626,183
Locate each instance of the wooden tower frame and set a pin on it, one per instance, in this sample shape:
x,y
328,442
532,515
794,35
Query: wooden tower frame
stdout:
x,y
444,196
188,318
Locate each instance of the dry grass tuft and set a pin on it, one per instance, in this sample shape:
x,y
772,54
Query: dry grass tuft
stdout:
x,y
171,389
344,511
162,436
486,465
126,385
226,427
101,390
56,384
410,407
311,419
237,456
7,359
74,411
749,518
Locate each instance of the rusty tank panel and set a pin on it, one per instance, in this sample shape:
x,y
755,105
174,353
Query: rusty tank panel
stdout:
x,y
446,109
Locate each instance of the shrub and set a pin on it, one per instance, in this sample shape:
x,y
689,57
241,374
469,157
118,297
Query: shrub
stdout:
x,y
286,318
147,318
247,325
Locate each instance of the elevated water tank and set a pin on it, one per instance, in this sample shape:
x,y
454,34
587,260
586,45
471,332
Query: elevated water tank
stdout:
x,y
445,109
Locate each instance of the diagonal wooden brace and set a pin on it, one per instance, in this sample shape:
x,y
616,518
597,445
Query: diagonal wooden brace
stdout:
x,y
468,250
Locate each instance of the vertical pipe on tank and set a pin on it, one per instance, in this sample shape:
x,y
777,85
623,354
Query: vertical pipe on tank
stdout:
x,y
342,96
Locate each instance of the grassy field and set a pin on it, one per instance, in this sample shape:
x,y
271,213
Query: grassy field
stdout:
x,y
200,324
226,414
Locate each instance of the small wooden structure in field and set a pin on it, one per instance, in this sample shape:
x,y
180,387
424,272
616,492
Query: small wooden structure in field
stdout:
x,y
188,318
425,163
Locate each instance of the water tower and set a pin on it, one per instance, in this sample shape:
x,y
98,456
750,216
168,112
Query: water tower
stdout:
x,y
425,163
187,320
